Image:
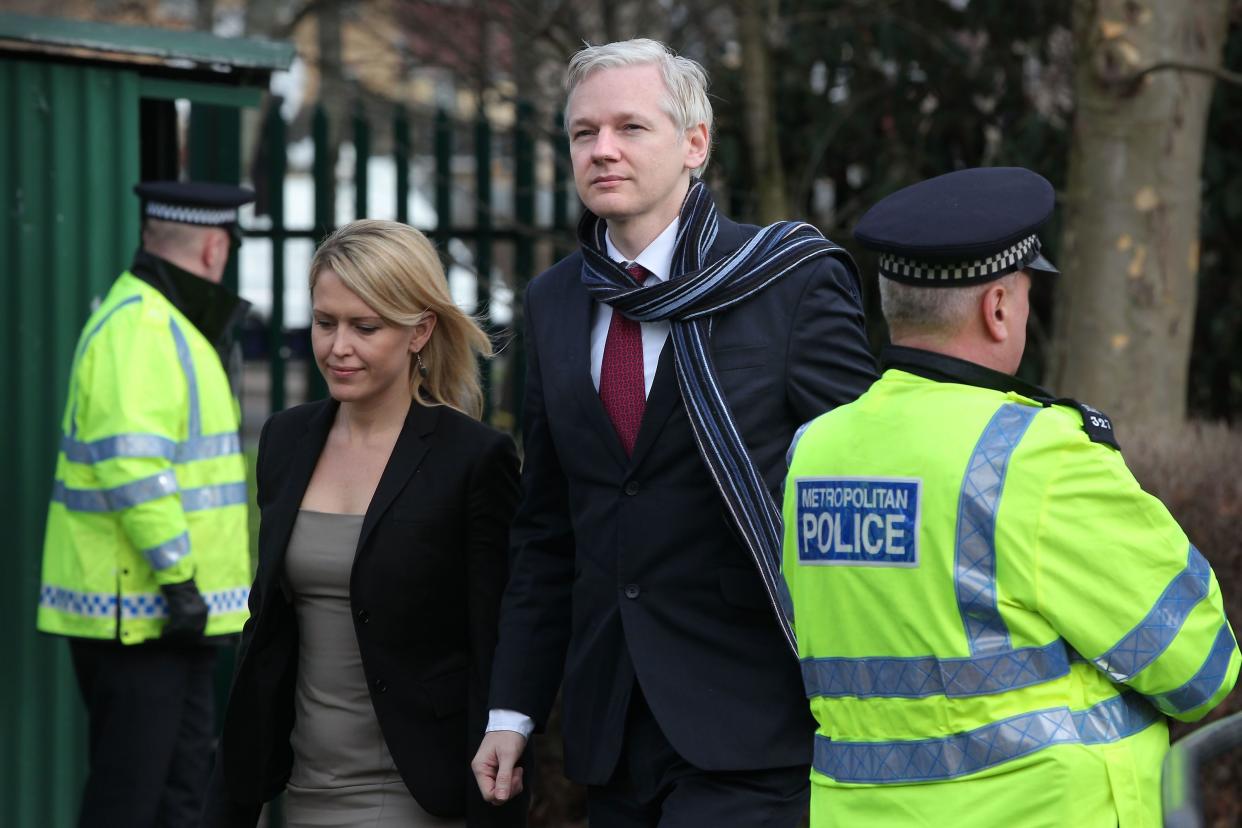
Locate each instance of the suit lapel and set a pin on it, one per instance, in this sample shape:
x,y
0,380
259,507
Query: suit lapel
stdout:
x,y
407,454
306,453
664,397
572,328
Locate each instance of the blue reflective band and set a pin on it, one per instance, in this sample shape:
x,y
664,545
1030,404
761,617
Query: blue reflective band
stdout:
x,y
975,552
922,676
854,521
935,760
168,553
1204,684
1144,644
213,497
116,499
129,446
71,602
143,605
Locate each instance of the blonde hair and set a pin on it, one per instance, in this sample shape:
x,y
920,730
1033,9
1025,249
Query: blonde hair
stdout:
x,y
685,80
395,270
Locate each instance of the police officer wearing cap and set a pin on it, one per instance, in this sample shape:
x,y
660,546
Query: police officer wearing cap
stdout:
x,y
993,619
146,557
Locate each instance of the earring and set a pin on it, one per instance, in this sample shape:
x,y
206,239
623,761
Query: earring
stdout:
x,y
422,369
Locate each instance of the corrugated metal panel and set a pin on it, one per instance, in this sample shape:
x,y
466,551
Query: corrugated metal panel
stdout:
x,y
115,41
69,153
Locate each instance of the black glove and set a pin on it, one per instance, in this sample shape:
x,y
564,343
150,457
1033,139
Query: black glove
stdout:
x,y
187,612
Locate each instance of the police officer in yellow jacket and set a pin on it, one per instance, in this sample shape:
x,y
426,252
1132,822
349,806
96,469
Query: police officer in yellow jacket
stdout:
x,y
994,620
146,558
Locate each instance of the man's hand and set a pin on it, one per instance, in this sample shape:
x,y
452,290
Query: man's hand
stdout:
x,y
493,766
187,612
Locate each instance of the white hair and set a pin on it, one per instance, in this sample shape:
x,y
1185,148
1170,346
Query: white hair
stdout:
x,y
685,81
931,311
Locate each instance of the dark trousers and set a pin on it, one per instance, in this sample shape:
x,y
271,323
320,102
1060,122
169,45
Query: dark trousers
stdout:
x,y
653,787
151,720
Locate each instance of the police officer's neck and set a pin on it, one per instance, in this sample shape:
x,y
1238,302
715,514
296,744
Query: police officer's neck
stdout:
x,y
969,349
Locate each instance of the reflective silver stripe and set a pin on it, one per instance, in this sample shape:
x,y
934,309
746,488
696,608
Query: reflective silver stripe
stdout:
x,y
975,554
86,340
1144,644
922,676
932,760
1203,684
191,379
169,552
150,445
145,605
213,497
208,447
116,499
122,445
793,444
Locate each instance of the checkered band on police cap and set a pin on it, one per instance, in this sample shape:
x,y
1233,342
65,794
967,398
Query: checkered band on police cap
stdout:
x,y
209,216
922,272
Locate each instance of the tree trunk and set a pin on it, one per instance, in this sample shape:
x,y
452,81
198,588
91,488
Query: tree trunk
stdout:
x,y
757,92
1125,305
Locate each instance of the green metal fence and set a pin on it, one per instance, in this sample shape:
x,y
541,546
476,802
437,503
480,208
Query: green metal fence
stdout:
x,y
62,240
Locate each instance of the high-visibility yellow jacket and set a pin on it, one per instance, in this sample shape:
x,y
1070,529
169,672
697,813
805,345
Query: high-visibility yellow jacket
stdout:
x,y
150,484
993,618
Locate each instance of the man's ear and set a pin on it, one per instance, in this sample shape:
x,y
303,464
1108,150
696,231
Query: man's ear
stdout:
x,y
994,310
697,145
215,253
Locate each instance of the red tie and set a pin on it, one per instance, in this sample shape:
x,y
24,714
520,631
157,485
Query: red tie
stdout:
x,y
622,386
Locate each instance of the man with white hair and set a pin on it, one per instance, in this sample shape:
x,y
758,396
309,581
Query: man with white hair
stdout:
x,y
671,360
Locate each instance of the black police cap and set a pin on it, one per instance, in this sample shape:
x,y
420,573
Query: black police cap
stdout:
x,y
193,202
965,227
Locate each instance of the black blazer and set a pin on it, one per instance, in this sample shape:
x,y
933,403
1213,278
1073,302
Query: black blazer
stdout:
x,y
425,590
629,567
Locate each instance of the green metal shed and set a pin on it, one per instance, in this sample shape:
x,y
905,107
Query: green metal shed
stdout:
x,y
86,110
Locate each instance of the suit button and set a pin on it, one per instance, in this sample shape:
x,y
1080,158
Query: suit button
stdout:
x,y
632,590
632,487
363,616
380,686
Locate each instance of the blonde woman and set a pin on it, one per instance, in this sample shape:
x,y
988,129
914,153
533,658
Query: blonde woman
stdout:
x,y
362,675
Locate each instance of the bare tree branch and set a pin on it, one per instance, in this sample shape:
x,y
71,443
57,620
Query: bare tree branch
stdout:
x,y
1218,72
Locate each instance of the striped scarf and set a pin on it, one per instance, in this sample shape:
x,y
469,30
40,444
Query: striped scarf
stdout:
x,y
695,292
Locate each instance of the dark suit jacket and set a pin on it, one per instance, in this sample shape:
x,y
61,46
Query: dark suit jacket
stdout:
x,y
630,567
425,590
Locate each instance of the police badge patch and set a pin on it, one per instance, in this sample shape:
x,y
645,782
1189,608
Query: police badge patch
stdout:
x,y
855,521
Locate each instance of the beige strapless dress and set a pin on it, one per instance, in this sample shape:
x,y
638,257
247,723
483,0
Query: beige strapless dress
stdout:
x,y
343,775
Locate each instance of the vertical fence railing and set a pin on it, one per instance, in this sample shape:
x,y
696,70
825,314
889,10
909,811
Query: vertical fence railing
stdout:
x,y
523,232
362,158
483,245
401,157
276,149
524,246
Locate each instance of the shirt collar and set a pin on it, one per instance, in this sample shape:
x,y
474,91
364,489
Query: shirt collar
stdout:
x,y
657,257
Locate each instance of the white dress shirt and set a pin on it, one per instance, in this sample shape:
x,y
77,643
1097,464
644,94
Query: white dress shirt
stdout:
x,y
657,258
